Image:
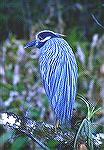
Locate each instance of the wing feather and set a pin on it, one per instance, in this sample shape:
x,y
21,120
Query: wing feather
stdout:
x,y
59,75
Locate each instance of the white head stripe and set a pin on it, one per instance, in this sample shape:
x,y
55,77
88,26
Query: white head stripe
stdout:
x,y
47,38
43,32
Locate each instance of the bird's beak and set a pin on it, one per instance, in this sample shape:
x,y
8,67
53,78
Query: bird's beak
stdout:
x,y
30,44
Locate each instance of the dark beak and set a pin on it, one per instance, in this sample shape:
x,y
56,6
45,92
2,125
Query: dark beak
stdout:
x,y
30,44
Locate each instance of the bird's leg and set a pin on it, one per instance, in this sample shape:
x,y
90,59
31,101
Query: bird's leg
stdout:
x,y
57,123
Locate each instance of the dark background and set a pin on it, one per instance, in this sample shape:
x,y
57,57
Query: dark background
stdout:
x,y
24,16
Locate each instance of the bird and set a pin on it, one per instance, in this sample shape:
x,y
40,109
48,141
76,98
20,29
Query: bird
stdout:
x,y
58,72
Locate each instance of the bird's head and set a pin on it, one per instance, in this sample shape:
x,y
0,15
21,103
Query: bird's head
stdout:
x,y
41,38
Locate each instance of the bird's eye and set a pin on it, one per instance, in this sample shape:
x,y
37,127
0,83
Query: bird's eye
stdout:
x,y
40,38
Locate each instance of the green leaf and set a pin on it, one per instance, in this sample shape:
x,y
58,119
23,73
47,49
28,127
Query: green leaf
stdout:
x,y
19,143
52,143
4,137
95,111
78,132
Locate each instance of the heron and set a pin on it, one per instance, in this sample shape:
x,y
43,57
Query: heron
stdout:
x,y
58,72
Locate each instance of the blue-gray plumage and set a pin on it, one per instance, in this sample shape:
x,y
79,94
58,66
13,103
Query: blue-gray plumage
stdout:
x,y
58,71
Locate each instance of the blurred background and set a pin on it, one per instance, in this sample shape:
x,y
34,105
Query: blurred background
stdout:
x,y
21,90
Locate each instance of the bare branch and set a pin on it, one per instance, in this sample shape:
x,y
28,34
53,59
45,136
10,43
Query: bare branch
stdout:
x,y
97,21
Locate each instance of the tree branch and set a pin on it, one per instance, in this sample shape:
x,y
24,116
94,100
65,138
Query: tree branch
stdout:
x,y
39,132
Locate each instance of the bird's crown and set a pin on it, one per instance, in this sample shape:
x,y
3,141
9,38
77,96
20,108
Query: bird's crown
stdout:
x,y
46,35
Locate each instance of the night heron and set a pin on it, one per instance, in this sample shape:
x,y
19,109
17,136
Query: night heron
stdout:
x,y
58,71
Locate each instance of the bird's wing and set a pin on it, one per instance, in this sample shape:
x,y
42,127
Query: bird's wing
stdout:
x,y
58,73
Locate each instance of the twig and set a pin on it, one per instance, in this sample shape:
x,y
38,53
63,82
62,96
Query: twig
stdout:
x,y
96,20
35,140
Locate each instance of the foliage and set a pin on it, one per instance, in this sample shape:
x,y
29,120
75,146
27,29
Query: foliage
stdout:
x,y
87,124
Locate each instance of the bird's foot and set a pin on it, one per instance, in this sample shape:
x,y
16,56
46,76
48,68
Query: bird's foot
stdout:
x,y
57,125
